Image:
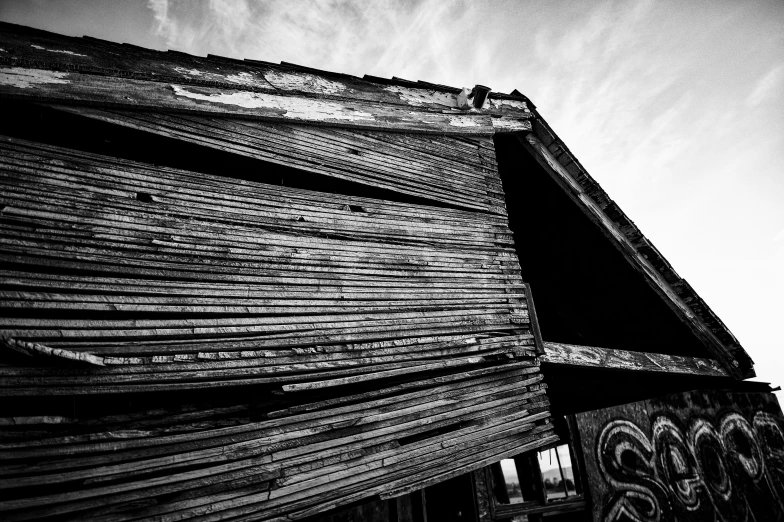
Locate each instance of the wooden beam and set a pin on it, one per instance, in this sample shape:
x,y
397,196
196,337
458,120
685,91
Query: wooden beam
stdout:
x,y
534,320
638,261
35,349
593,357
29,48
67,87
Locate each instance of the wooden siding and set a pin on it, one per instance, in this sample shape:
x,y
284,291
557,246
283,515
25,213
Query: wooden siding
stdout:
x,y
595,357
452,170
244,266
121,277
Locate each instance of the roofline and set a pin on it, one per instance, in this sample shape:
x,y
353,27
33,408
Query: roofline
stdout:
x,y
276,92
637,249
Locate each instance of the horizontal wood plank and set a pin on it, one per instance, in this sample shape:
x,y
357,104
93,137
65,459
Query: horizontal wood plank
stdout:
x,y
593,357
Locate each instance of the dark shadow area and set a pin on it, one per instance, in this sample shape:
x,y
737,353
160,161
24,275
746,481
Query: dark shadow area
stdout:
x,y
585,291
577,389
451,500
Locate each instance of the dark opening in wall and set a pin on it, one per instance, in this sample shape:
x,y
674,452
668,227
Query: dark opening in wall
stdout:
x,y
585,291
573,389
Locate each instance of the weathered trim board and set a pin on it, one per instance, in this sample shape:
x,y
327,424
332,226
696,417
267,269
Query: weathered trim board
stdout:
x,y
444,169
36,65
123,93
561,354
700,455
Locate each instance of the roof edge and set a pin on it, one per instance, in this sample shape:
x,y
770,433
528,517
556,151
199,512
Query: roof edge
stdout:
x,y
639,250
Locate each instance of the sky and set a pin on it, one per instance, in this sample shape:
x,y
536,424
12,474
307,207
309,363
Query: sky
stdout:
x,y
675,108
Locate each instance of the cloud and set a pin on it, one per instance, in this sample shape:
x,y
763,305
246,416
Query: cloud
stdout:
x,y
767,88
165,27
341,35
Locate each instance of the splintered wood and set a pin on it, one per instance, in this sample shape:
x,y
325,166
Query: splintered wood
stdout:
x,y
373,347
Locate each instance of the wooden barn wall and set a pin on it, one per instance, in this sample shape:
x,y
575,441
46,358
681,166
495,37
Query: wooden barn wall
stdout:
x,y
701,455
356,347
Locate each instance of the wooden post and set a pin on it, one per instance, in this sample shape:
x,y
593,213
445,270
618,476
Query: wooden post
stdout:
x,y
534,320
560,471
499,483
531,481
418,506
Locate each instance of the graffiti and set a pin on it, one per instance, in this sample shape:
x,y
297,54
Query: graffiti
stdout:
x,y
729,469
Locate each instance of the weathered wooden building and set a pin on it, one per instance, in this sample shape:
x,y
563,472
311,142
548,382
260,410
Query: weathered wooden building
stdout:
x,y
239,290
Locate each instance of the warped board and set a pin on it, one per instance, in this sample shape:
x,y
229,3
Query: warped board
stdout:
x,y
457,171
375,347
299,461
255,278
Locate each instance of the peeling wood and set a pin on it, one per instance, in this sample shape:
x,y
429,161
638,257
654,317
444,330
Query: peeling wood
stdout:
x,y
388,103
22,78
55,50
303,82
306,109
75,88
594,357
423,97
241,78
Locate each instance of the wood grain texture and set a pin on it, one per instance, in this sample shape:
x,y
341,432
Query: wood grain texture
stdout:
x,y
43,50
594,357
303,463
386,346
305,350
447,170
257,283
105,91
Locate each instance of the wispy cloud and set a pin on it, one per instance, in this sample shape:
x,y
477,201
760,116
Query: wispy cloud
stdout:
x,y
350,36
768,87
